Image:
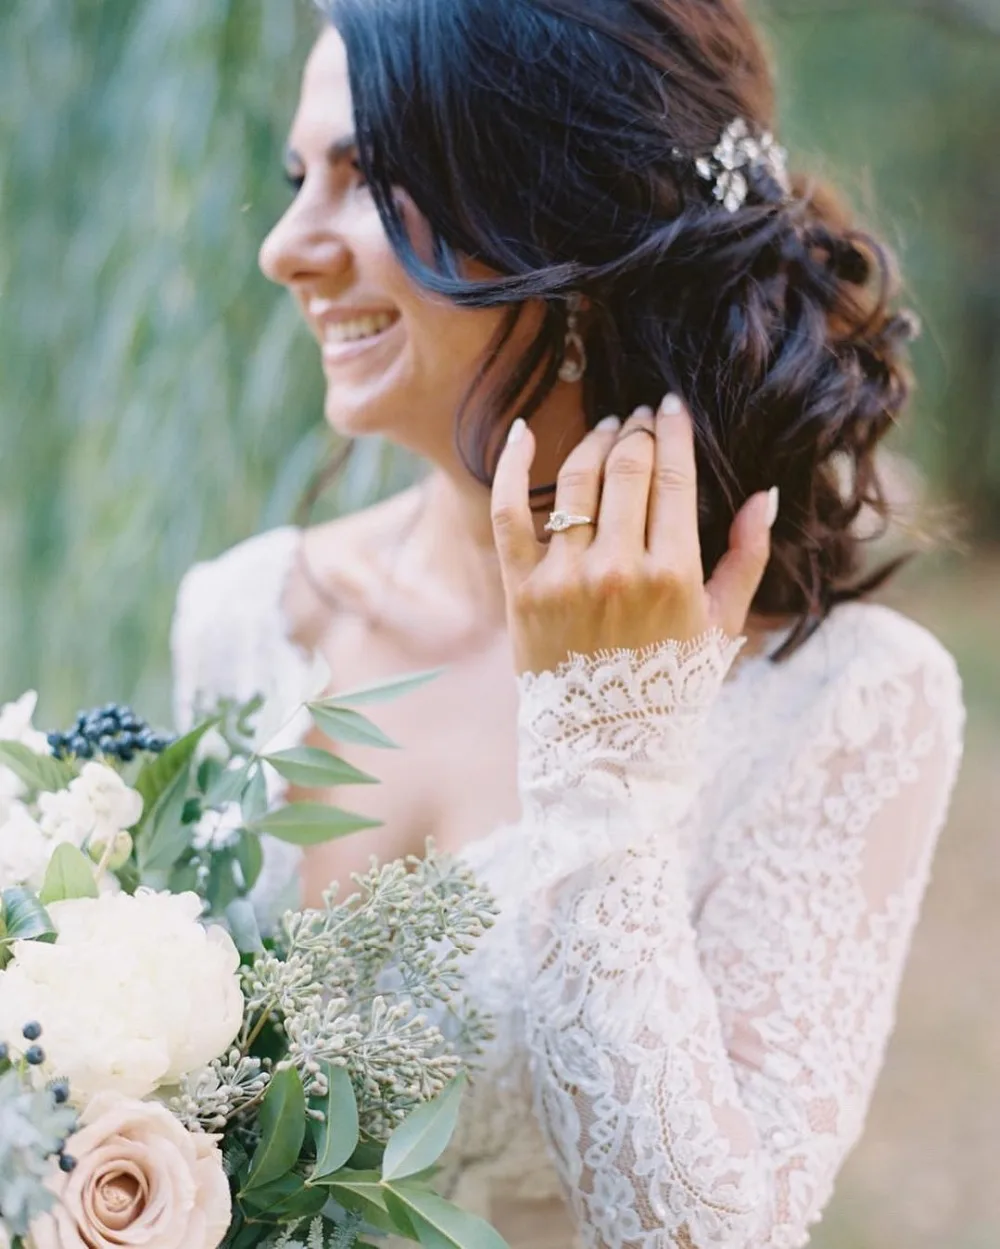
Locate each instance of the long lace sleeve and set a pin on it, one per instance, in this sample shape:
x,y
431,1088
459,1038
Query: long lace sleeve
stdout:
x,y
701,1065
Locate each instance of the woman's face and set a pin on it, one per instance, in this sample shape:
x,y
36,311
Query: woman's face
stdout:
x,y
397,359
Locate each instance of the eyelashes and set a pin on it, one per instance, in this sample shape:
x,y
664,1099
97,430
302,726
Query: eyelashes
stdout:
x,y
296,180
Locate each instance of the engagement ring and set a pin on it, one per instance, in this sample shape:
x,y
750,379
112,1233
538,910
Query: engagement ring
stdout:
x,y
559,522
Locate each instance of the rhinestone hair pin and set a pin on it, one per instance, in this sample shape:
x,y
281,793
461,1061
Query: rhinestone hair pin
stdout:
x,y
737,156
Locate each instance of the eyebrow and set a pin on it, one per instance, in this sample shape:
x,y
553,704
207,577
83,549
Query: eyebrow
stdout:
x,y
338,151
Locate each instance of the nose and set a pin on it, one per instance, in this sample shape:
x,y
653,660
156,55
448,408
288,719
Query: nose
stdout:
x,y
304,245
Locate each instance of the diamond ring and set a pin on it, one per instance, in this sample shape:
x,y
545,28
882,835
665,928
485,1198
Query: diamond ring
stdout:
x,y
559,522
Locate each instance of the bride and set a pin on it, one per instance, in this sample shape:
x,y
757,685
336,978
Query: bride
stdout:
x,y
703,777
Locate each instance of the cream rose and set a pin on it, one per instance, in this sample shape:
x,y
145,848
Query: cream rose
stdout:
x,y
140,1180
135,993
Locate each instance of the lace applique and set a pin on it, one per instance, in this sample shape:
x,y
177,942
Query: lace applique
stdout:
x,y
616,727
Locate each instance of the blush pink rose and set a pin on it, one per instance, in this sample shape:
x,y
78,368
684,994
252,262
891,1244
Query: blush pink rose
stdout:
x,y
141,1179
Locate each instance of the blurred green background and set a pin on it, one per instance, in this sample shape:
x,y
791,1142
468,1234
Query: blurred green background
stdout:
x,y
158,402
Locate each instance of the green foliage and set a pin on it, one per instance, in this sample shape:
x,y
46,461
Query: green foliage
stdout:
x,y
36,771
23,917
423,1136
336,1136
70,874
282,1128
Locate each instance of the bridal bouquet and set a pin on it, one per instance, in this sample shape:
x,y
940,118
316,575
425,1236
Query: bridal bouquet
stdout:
x,y
172,1076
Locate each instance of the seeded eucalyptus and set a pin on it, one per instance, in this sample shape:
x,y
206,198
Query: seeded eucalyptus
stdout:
x,y
34,1125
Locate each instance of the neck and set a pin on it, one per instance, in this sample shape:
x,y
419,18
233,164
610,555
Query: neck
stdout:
x,y
454,536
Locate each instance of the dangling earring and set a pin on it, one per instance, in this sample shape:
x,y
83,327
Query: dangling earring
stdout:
x,y
574,363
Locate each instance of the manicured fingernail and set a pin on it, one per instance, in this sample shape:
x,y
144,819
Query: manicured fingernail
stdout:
x,y
610,424
517,431
671,406
773,502
645,413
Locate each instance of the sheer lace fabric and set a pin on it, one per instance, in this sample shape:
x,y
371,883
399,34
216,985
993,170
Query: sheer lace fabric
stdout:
x,y
706,909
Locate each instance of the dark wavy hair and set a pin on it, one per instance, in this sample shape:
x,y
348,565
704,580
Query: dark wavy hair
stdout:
x,y
555,142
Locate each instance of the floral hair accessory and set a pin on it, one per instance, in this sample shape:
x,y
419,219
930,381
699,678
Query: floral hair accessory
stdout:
x,y
738,156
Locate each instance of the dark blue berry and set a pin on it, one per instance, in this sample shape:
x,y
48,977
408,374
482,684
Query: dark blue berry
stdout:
x,y
106,745
31,1031
125,752
66,1163
109,709
34,1055
60,1092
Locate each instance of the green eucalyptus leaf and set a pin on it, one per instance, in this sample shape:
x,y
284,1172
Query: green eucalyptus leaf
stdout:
x,y
158,776
368,1155
38,772
250,857
311,823
362,1192
243,926
382,691
163,837
70,874
336,1137
224,882
286,1199
424,1134
312,768
228,786
254,800
344,725
436,1223
282,1121
24,916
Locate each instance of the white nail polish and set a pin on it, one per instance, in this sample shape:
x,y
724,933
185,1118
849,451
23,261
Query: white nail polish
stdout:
x,y
671,406
516,431
610,424
773,502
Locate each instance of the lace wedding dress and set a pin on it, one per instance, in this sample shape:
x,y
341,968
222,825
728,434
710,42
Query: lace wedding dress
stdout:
x,y
706,909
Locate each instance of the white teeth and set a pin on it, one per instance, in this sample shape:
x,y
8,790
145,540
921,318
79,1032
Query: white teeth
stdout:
x,y
361,327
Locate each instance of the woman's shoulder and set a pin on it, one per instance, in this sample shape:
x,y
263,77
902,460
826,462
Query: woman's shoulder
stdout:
x,y
228,628
866,632
875,652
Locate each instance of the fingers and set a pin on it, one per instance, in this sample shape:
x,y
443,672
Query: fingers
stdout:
x,y
738,574
578,487
627,476
673,508
513,523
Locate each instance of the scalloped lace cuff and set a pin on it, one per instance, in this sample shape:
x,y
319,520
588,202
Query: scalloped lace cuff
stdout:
x,y
603,729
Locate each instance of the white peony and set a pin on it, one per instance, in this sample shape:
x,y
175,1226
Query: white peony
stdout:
x,y
96,806
24,849
135,993
16,726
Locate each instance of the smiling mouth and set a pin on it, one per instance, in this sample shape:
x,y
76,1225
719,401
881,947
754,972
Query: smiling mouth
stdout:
x,y
340,335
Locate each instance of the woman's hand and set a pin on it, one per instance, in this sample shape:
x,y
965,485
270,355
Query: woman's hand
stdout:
x,y
634,578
